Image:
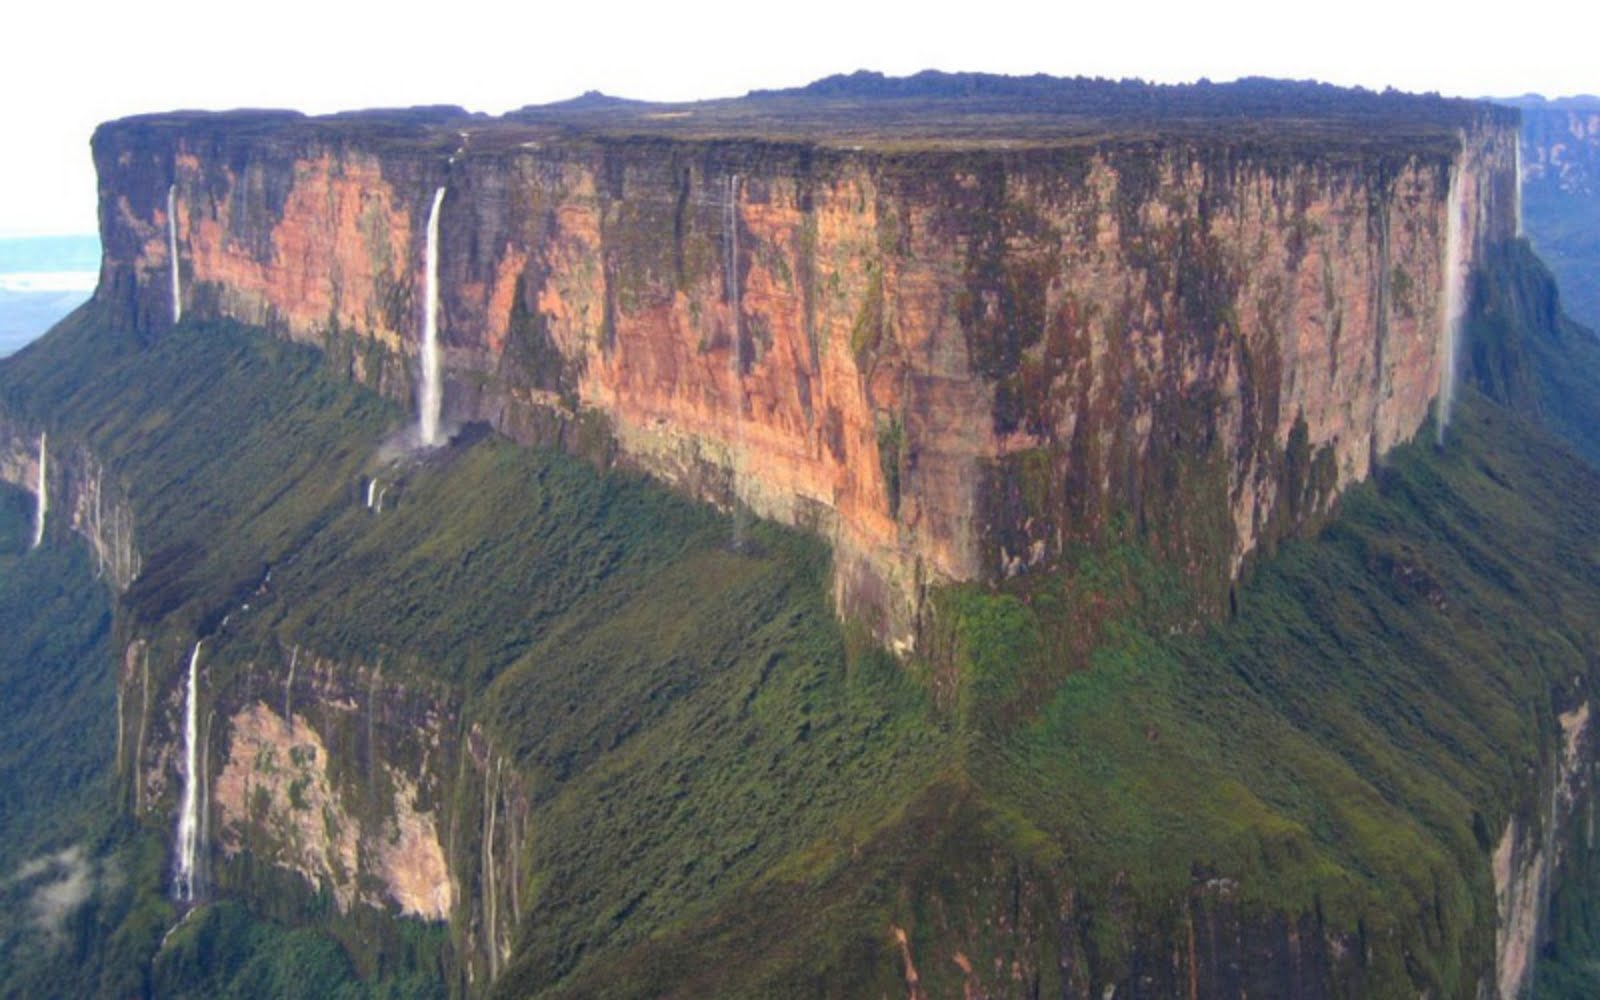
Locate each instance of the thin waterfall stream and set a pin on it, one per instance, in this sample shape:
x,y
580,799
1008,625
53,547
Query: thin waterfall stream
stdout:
x,y
1450,321
172,252
43,506
183,883
431,398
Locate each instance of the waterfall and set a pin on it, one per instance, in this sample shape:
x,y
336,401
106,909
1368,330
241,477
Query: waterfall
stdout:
x,y
428,404
288,689
491,800
144,721
372,491
1517,179
183,883
1450,321
43,506
172,252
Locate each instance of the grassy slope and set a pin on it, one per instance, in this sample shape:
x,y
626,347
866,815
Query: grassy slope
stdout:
x,y
733,798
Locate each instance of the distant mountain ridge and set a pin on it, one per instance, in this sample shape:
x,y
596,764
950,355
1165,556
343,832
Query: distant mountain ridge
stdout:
x,y
1538,102
1561,194
1247,96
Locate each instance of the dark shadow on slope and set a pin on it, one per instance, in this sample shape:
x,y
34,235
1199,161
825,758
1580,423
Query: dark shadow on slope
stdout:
x,y
1525,353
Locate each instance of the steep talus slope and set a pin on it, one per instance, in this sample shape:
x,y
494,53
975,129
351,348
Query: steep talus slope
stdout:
x,y
53,613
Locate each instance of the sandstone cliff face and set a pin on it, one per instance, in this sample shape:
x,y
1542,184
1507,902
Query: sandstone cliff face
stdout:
x,y
367,827
1529,859
82,497
1208,945
952,363
325,770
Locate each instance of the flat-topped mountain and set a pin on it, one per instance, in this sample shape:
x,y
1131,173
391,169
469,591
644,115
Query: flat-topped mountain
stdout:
x,y
943,536
950,323
935,110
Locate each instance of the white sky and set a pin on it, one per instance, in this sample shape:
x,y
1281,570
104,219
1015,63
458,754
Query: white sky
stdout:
x,y
65,67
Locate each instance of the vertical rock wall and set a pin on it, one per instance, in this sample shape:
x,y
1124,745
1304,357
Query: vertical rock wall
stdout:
x,y
950,363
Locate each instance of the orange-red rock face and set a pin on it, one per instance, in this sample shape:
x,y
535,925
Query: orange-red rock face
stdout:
x,y
950,364
339,249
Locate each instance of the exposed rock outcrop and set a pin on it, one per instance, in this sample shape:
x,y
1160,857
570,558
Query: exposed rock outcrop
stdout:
x,y
321,769
1529,856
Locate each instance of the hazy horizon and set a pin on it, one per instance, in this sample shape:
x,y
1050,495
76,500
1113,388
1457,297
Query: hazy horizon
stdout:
x,y
42,278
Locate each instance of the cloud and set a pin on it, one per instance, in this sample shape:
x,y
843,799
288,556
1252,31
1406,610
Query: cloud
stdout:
x,y
48,281
65,881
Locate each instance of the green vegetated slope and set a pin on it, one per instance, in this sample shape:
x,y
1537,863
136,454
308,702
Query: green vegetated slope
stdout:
x,y
1349,745
58,730
56,743
195,435
1341,756
688,714
734,796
